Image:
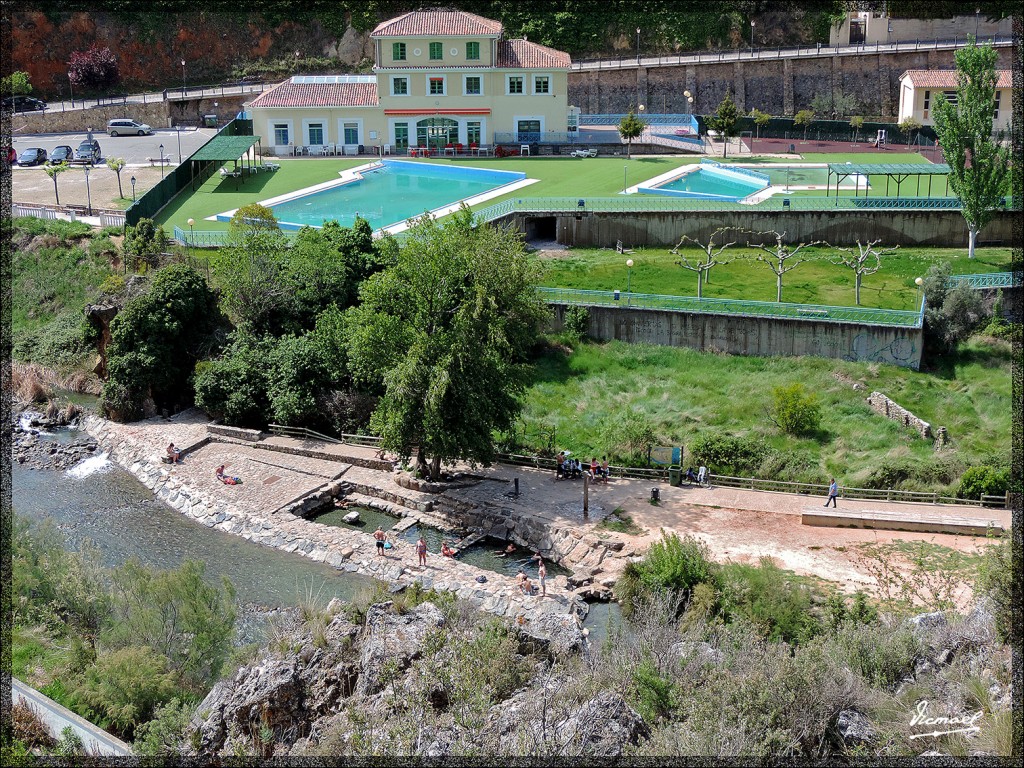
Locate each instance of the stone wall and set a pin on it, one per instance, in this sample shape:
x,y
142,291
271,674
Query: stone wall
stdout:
x,y
662,229
238,433
761,336
779,87
891,410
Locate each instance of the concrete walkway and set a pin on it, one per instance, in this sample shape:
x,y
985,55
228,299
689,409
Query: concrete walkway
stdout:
x,y
56,718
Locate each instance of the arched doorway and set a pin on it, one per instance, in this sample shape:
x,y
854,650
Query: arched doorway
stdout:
x,y
437,132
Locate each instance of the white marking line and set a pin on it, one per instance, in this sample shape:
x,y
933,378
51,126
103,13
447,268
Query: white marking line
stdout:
x,y
972,729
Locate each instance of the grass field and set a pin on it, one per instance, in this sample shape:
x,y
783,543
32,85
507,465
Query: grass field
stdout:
x,y
813,282
578,396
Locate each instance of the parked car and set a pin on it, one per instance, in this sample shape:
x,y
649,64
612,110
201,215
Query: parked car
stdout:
x,y
32,156
124,127
62,154
88,151
23,104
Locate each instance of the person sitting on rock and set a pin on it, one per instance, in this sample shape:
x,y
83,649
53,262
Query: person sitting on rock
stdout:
x,y
174,454
527,585
446,551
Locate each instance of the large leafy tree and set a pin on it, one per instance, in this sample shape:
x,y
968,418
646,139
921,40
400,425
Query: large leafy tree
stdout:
x,y
724,121
94,69
631,127
979,162
444,335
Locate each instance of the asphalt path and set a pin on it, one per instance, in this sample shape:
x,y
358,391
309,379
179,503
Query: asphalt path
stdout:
x,y
134,149
95,740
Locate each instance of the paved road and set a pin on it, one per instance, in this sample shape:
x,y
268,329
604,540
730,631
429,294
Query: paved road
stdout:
x,y
95,740
134,149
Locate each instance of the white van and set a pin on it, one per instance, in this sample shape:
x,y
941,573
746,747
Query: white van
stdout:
x,y
125,127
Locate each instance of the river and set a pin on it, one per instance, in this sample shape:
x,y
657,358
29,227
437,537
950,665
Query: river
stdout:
x,y
99,501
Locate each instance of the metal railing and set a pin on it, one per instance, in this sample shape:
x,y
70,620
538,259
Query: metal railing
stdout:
x,y
655,119
220,89
735,307
987,280
755,54
537,137
736,169
213,238
302,432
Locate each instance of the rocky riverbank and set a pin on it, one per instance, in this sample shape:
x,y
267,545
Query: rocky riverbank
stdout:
x,y
32,448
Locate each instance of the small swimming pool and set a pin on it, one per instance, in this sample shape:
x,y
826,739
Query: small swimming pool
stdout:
x,y
709,181
388,193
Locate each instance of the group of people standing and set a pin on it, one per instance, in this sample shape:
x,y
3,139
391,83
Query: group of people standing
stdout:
x,y
574,468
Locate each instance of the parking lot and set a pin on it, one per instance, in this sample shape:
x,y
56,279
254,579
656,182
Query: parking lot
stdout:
x,y
134,149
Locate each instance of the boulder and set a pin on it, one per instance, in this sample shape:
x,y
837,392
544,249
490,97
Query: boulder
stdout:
x,y
925,622
855,729
551,632
391,637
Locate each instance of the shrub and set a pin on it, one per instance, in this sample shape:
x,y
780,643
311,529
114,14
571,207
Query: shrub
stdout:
x,y
576,321
653,692
996,578
881,655
983,481
62,342
771,599
630,438
795,411
143,243
670,565
162,736
727,454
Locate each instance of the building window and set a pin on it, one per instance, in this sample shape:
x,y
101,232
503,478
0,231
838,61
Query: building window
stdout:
x,y
398,51
399,86
473,87
995,115
528,130
436,51
472,51
316,133
280,134
437,86
402,135
351,133
515,84
927,99
473,133
542,84
950,97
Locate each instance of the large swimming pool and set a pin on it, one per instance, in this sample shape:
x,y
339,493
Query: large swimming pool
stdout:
x,y
388,193
709,181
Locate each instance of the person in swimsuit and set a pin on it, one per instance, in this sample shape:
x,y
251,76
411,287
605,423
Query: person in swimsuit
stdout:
x,y
542,574
421,551
380,536
446,551
174,454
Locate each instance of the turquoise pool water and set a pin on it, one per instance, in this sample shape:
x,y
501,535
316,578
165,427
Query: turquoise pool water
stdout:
x,y
390,194
708,183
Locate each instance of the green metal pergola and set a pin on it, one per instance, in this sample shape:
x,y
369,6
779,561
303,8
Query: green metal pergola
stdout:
x,y
898,172
221,149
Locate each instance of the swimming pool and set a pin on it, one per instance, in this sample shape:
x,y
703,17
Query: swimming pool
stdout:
x,y
709,181
388,193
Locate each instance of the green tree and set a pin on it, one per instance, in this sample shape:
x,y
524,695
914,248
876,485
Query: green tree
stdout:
x,y
951,315
781,257
631,127
857,123
865,260
761,119
724,121
156,340
804,117
16,84
143,243
979,162
910,126
53,171
794,410
116,164
233,387
445,334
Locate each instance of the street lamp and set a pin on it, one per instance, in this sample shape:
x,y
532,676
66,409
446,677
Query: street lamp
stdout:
x,y
629,274
688,98
638,46
191,237
919,282
183,78
88,193
133,189
752,25
977,12
177,128
161,161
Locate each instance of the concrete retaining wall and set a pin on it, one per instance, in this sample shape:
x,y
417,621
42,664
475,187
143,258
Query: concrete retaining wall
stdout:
x,y
656,229
753,335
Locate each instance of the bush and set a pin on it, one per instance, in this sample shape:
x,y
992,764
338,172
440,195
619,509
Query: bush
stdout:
x,y
653,692
914,474
770,599
983,481
726,454
162,736
630,438
794,410
61,343
670,565
576,321
881,655
996,578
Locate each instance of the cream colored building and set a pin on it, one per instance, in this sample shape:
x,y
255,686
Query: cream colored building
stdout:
x,y
867,27
919,87
440,78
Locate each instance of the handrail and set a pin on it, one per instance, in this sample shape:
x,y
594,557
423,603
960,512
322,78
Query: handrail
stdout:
x,y
983,280
281,429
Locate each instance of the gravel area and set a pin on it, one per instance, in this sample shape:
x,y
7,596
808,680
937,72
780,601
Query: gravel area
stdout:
x,y
33,186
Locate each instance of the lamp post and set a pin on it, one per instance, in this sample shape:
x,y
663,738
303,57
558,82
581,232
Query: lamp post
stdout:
x,y
977,17
752,25
161,161
629,277
177,128
191,237
183,78
638,46
919,282
688,98
133,189
88,193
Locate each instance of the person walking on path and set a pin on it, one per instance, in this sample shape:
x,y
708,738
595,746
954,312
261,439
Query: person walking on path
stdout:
x,y
833,491
380,536
421,551
702,475
542,574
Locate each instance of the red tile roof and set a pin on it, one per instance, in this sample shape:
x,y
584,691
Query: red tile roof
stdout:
x,y
523,54
421,23
289,94
946,78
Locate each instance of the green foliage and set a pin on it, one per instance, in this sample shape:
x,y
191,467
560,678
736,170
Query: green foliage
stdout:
x,y
178,615
631,127
979,162
804,117
445,333
951,314
629,438
996,580
881,655
772,600
728,454
157,339
69,744
838,104
124,688
653,692
53,171
251,272
60,344
724,120
983,481
162,735
16,84
143,244
761,119
673,565
794,410
577,319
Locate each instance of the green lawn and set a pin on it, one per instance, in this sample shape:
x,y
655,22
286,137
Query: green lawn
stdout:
x,y
578,397
813,282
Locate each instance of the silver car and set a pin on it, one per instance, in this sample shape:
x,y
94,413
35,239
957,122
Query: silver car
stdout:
x,y
125,127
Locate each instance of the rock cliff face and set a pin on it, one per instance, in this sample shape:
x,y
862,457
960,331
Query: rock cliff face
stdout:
x,y
329,674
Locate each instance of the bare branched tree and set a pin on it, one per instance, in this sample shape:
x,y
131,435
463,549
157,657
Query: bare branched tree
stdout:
x,y
781,258
712,253
866,259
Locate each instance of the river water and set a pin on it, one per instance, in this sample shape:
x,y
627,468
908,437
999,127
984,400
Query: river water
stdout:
x,y
99,501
